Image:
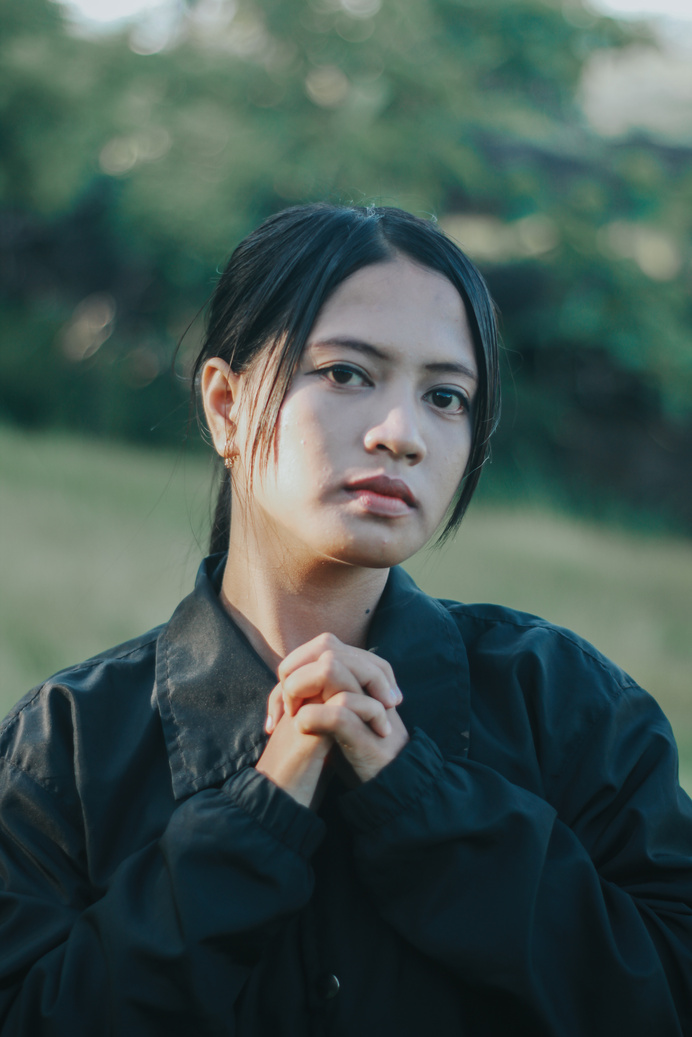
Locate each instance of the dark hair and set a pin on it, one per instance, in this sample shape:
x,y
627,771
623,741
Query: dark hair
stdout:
x,y
279,278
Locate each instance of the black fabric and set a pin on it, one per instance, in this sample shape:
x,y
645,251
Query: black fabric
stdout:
x,y
524,866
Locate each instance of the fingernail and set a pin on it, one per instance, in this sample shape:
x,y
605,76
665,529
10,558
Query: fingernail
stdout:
x,y
397,697
269,724
387,728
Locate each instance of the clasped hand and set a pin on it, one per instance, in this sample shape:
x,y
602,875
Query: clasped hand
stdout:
x,y
330,693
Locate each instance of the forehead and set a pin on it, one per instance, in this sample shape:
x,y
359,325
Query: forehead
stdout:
x,y
400,306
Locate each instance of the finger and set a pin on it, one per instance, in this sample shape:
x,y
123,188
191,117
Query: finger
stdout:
x,y
374,675
369,710
322,679
308,653
344,717
275,708
312,650
384,666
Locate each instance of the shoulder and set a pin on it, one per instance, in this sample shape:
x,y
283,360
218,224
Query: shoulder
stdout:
x,y
40,736
520,639
583,718
562,685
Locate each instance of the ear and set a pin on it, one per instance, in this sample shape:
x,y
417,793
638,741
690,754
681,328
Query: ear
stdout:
x,y
220,389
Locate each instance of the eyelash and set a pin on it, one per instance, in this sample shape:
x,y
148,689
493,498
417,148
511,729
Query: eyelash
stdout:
x,y
462,400
443,390
328,373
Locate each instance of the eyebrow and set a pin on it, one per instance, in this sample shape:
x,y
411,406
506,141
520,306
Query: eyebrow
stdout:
x,y
359,346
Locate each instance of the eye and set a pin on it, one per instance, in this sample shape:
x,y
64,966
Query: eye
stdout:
x,y
447,399
344,374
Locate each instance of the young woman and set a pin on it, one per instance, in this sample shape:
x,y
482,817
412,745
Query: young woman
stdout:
x,y
318,801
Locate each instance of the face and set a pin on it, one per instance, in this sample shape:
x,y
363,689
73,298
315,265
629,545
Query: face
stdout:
x,y
375,431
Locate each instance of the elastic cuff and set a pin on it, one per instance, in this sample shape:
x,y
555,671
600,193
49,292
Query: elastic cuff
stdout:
x,y
276,811
397,787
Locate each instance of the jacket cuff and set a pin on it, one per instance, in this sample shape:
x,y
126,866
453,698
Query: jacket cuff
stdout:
x,y
276,811
397,787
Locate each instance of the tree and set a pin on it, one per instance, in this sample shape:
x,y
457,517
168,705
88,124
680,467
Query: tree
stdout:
x,y
135,162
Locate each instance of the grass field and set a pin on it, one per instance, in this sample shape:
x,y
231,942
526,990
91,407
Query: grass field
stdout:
x,y
100,542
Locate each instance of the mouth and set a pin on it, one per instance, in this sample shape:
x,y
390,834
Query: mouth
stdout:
x,y
380,495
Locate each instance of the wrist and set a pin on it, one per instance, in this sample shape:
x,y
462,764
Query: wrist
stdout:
x,y
299,786
293,763
398,787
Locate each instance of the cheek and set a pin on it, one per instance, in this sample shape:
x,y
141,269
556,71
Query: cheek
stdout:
x,y
452,468
311,427
301,453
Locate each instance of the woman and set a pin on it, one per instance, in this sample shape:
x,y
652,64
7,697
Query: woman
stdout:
x,y
318,801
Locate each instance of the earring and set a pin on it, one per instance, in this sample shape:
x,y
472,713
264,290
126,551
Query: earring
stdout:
x,y
229,454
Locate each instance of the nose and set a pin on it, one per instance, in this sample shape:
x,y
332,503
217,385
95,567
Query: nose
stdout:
x,y
398,433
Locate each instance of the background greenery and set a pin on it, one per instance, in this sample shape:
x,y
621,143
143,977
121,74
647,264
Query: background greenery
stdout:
x,y
103,541
132,163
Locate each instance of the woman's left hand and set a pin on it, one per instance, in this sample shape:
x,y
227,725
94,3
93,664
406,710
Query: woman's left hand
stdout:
x,y
346,717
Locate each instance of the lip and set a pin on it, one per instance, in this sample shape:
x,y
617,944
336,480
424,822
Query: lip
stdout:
x,y
383,486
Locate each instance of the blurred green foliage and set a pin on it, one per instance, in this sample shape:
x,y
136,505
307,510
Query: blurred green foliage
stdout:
x,y
137,521
132,164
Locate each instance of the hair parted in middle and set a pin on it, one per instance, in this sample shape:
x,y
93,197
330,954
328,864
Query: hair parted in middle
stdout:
x,y
279,278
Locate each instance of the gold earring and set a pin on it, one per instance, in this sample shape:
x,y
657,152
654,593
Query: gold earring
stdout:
x,y
228,457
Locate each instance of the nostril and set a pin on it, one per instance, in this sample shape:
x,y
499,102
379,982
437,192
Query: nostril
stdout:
x,y
397,435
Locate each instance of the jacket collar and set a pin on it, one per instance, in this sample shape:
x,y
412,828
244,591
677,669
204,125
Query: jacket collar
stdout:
x,y
417,636
212,687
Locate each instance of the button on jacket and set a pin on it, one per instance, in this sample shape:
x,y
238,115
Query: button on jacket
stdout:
x,y
524,866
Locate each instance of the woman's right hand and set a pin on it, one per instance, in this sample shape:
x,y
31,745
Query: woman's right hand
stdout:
x,y
293,760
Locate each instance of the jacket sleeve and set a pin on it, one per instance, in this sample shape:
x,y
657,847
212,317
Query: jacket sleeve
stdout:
x,y
168,946
579,911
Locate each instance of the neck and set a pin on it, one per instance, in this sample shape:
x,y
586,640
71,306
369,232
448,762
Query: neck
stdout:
x,y
279,609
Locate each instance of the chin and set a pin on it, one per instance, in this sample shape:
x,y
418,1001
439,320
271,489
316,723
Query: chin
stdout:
x,y
377,552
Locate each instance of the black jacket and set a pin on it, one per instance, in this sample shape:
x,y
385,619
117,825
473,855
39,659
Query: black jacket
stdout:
x,y
523,867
